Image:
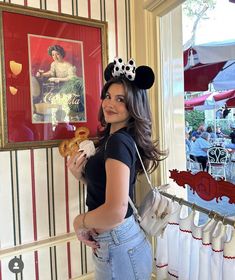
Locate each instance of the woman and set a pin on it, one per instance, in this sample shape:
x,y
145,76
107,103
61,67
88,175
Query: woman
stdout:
x,y
121,249
62,84
60,70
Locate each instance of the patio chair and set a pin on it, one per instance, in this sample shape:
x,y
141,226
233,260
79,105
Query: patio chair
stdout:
x,y
193,165
217,162
232,167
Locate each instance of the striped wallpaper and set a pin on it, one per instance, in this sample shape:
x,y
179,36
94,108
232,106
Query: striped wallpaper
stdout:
x,y
38,197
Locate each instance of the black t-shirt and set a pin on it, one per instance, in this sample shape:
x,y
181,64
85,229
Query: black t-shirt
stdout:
x,y
119,146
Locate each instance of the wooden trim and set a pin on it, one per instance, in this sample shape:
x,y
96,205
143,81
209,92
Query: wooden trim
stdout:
x,y
161,7
33,246
151,5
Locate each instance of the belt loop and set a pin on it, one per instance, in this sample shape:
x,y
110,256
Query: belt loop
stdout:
x,y
115,238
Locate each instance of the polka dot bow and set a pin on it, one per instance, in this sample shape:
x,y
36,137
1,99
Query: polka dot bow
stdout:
x,y
120,68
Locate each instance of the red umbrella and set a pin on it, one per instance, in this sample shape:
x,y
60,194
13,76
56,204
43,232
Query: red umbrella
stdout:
x,y
211,63
231,103
224,95
199,76
197,101
210,100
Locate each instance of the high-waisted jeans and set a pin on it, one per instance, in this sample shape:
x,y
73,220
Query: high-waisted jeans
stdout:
x,y
124,254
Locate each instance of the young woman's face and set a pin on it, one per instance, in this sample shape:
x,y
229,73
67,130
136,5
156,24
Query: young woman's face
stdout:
x,y
56,56
114,107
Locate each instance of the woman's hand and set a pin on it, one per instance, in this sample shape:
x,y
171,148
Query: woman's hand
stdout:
x,y
76,164
39,73
83,234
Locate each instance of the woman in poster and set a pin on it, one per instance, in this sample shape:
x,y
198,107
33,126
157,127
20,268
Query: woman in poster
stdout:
x,y
60,84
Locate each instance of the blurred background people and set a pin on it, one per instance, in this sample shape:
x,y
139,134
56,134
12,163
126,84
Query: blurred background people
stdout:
x,y
226,111
219,114
199,149
211,132
219,133
232,137
188,128
187,145
197,133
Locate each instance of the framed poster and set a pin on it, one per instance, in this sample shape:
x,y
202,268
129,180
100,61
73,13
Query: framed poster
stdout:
x,y
51,76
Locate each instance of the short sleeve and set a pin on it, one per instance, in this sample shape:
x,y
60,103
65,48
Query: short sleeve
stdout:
x,y
121,147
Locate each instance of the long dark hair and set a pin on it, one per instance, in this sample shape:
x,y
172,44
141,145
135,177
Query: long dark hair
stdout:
x,y
139,124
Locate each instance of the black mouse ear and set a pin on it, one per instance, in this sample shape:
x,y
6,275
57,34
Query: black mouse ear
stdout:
x,y
108,72
144,77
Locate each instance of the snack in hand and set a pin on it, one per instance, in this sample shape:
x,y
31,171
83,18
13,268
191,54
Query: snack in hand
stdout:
x,y
69,147
88,147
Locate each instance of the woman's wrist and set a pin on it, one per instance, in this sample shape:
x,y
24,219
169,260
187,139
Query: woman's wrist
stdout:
x,y
84,225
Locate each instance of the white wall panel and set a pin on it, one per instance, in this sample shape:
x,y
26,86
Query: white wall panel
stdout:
x,y
29,268
34,3
62,262
25,194
90,266
59,192
95,9
41,193
18,2
73,199
52,5
66,7
75,248
83,8
44,269
6,215
110,18
6,273
121,29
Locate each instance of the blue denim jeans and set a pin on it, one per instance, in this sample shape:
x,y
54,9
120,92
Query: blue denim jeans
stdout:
x,y
125,253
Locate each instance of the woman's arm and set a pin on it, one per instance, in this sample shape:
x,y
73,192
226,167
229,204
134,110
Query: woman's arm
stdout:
x,y
113,211
41,73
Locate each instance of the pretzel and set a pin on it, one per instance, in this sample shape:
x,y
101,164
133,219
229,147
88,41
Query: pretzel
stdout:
x,y
63,148
82,133
72,146
69,147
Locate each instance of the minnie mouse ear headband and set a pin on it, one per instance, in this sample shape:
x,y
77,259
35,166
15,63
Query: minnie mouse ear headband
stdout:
x,y
142,76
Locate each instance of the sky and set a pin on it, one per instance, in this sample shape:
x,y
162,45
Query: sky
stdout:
x,y
219,27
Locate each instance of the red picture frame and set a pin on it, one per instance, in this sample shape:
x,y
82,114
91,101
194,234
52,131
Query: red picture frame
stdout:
x,y
52,76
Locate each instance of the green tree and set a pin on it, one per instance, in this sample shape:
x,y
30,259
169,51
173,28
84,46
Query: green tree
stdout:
x,y
195,118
